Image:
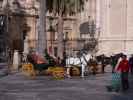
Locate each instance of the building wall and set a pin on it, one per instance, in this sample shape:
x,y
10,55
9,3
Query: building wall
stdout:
x,y
72,26
15,33
32,33
22,20
116,26
129,35
113,19
19,27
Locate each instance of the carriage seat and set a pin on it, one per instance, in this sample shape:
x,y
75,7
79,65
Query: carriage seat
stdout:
x,y
38,62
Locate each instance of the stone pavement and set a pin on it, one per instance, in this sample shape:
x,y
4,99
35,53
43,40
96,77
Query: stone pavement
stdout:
x,y
20,87
3,69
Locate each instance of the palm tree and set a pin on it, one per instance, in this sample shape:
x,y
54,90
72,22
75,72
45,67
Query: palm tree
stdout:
x,y
42,43
63,8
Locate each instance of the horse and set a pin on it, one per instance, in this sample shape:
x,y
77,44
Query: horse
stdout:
x,y
81,61
93,65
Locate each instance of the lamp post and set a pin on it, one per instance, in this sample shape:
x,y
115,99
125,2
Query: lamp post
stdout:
x,y
52,31
92,41
64,50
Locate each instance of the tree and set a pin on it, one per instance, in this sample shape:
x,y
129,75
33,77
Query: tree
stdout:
x,y
63,8
42,42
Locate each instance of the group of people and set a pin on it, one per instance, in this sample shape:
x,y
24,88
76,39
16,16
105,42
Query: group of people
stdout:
x,y
123,66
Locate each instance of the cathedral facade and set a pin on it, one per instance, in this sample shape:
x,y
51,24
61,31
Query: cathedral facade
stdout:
x,y
18,19
116,22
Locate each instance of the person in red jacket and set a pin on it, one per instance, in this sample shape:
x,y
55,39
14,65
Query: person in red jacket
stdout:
x,y
123,67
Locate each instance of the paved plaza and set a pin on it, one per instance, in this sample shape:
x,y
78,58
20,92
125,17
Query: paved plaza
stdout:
x,y
3,69
20,87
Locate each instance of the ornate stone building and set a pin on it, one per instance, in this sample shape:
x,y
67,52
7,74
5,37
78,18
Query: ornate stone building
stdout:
x,y
23,20
18,19
76,29
112,20
116,26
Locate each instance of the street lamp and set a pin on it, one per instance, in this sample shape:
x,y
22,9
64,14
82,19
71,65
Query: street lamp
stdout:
x,y
91,27
64,48
92,42
65,40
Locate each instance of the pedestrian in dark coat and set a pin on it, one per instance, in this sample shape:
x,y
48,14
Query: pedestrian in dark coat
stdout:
x,y
113,62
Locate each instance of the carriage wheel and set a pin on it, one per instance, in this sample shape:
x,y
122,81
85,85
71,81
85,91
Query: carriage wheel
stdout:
x,y
58,73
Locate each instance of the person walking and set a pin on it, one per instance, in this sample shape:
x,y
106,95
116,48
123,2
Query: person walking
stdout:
x,y
114,61
123,67
103,63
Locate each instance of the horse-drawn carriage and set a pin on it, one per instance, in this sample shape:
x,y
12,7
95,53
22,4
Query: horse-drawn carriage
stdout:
x,y
37,65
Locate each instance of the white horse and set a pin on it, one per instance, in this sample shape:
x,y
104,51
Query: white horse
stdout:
x,y
81,61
